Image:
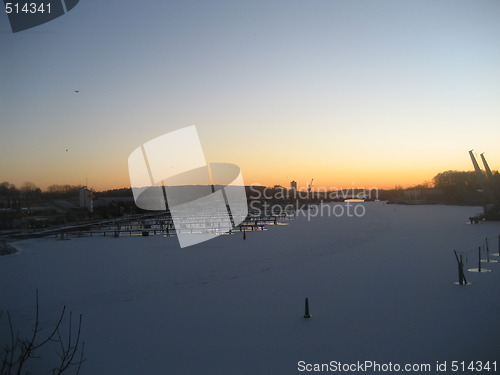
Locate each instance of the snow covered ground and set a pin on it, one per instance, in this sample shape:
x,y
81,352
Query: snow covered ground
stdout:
x,y
380,287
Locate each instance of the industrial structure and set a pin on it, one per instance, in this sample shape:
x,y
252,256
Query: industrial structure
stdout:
x,y
491,187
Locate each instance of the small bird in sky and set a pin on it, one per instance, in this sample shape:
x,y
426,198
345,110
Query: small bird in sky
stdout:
x,y
77,90
66,150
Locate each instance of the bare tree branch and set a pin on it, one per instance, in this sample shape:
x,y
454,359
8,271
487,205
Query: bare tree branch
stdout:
x,y
15,355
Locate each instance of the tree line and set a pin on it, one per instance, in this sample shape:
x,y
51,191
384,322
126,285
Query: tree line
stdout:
x,y
457,187
467,187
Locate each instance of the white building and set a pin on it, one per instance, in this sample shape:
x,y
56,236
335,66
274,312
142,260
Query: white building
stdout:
x,y
86,199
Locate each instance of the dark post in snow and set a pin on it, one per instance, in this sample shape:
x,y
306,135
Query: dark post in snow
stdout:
x,y
464,280
479,267
461,276
487,251
306,313
244,234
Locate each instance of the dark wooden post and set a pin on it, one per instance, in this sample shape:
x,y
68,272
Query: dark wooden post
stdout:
x,y
462,274
306,313
479,267
487,251
244,235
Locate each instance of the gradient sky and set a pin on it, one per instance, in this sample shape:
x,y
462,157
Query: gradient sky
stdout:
x,y
348,92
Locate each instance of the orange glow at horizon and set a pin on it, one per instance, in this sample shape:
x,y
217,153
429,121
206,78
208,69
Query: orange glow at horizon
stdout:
x,y
112,173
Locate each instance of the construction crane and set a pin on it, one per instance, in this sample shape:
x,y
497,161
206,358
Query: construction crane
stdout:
x,y
490,187
486,179
489,175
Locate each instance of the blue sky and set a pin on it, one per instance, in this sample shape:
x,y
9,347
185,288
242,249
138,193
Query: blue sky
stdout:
x,y
347,92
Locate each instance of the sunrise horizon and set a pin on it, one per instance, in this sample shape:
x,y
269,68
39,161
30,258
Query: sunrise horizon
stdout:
x,y
319,182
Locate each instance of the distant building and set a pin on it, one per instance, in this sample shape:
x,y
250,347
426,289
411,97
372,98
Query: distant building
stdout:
x,y
86,199
293,185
